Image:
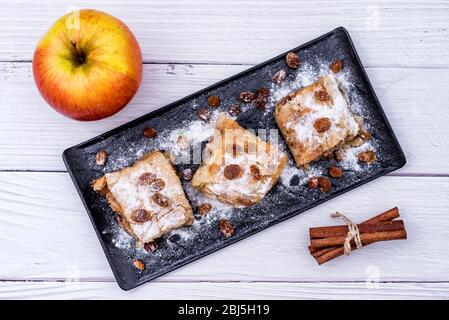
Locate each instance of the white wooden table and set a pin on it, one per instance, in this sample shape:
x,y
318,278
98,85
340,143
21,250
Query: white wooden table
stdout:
x,y
48,248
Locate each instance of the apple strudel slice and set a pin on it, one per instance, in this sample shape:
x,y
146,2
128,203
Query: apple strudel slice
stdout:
x,y
148,196
315,120
238,168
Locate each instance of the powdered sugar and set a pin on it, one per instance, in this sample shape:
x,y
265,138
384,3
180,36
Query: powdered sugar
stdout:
x,y
350,156
197,131
122,239
302,175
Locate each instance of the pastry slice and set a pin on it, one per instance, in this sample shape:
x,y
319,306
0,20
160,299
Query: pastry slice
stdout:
x,y
315,120
148,197
238,167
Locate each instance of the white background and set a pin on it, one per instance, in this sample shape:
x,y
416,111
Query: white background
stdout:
x,y
46,237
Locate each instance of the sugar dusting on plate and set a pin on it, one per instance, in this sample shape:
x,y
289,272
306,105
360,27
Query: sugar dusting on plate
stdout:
x,y
198,131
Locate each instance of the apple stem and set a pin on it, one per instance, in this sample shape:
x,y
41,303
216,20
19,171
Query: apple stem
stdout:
x,y
79,54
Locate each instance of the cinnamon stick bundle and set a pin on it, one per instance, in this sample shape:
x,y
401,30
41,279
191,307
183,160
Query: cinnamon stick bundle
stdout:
x,y
326,243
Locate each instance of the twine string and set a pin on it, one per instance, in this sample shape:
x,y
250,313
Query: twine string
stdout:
x,y
353,233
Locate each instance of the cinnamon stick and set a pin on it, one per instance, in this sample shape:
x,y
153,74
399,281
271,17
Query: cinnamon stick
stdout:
x,y
320,251
388,215
342,231
364,238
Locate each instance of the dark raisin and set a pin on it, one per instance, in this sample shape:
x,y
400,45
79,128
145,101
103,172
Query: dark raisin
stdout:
x,y
226,228
368,156
232,171
204,208
247,96
160,199
313,183
279,76
325,184
322,95
213,101
150,133
146,179
335,172
337,66
157,185
203,114
262,97
255,172
365,135
263,92
322,125
292,60
141,215
234,110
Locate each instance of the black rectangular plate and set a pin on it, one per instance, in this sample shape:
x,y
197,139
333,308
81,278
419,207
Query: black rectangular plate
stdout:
x,y
280,204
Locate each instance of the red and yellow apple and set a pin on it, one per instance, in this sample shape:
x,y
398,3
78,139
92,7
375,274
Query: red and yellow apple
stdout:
x,y
88,65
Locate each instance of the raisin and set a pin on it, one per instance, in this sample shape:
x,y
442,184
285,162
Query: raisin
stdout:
x,y
160,199
150,133
262,97
325,184
150,246
335,172
101,157
364,134
157,185
203,114
234,110
247,96
337,66
226,228
368,156
279,76
204,208
139,264
292,60
313,183
232,171
213,101
146,179
322,125
141,215
187,174
263,92
322,95
255,172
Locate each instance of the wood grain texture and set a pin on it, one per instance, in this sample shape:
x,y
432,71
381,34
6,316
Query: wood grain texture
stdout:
x,y
46,234
387,33
33,136
211,290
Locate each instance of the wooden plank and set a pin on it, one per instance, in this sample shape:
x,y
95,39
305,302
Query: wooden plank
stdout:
x,y
46,234
238,290
232,31
33,136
